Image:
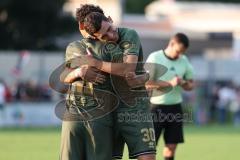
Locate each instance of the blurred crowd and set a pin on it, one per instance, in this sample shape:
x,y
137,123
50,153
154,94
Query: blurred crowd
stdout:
x,y
24,91
219,104
214,103
225,99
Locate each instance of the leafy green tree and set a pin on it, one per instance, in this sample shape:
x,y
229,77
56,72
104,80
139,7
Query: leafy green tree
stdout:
x,y
136,6
33,24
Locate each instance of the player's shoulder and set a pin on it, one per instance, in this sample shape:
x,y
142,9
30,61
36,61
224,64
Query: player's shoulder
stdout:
x,y
186,61
157,53
127,31
184,58
76,46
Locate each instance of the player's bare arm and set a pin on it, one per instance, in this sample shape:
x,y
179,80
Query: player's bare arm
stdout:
x,y
187,85
125,69
120,69
159,85
84,72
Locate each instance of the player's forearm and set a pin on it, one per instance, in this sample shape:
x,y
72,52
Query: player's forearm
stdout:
x,y
138,80
120,69
68,75
151,85
157,84
63,75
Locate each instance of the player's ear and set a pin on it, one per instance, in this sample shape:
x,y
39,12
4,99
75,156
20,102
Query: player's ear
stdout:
x,y
81,26
171,43
110,19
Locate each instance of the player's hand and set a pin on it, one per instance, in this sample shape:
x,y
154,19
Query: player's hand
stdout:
x,y
77,62
92,75
183,82
87,59
91,61
175,81
130,75
135,81
131,79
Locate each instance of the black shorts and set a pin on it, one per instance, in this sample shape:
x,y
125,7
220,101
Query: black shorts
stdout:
x,y
169,119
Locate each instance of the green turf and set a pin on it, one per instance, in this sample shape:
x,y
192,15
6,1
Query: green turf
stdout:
x,y
202,143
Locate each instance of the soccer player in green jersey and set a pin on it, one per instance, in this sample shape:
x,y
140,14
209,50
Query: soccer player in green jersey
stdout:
x,y
124,47
82,139
139,136
180,76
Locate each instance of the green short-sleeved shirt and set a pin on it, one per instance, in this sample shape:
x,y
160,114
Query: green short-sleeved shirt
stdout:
x,y
128,44
78,140
78,48
180,67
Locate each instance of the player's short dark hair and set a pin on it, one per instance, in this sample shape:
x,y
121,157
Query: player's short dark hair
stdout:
x,y
86,9
183,39
93,22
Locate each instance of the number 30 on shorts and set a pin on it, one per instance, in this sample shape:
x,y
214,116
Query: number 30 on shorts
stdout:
x,y
148,134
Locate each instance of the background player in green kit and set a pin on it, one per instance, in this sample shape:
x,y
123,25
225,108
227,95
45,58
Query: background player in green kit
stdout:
x,y
124,47
180,76
82,140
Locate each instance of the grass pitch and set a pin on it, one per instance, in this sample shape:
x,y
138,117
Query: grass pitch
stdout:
x,y
201,143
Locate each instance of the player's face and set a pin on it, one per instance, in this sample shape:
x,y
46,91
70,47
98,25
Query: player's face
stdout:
x,y
107,32
177,48
83,32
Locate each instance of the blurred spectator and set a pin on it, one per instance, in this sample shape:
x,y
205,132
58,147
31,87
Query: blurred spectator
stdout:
x,y
8,94
5,96
226,95
200,111
46,93
19,91
235,108
213,103
2,95
31,91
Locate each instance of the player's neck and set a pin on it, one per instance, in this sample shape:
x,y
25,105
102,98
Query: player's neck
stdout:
x,y
168,53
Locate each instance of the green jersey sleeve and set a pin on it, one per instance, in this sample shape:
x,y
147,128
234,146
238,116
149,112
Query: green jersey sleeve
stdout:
x,y
131,43
75,49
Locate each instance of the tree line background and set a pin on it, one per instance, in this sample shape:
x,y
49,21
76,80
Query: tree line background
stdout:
x,y
33,24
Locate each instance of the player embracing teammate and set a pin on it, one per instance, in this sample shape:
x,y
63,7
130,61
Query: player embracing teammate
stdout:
x,y
109,61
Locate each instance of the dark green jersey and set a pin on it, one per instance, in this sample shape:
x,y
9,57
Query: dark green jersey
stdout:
x,y
85,97
128,44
